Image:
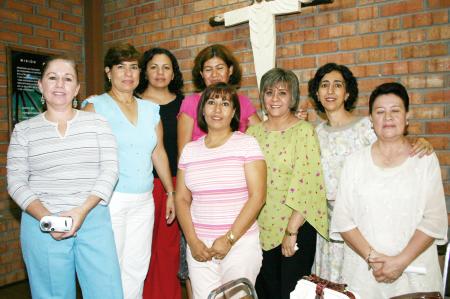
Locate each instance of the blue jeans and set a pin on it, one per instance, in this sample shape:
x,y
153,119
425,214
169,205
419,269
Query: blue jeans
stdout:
x,y
91,256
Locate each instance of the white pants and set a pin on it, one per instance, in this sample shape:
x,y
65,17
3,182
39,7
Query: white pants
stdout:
x,y
243,260
132,217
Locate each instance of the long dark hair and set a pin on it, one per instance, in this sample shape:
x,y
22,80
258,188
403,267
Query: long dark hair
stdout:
x,y
175,86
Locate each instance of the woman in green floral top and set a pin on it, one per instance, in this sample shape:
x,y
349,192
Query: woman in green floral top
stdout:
x,y
296,208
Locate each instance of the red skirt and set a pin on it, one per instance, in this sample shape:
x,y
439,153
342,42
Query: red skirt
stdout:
x,y
162,280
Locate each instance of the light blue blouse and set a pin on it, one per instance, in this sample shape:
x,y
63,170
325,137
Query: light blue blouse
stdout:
x,y
135,143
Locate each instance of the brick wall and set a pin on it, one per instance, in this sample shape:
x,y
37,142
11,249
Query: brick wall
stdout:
x,y
53,26
381,41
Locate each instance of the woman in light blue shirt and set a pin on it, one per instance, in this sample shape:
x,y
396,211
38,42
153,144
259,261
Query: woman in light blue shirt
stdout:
x,y
137,127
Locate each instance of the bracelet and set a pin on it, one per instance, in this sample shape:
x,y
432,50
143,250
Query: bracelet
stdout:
x,y
368,257
170,193
289,234
231,238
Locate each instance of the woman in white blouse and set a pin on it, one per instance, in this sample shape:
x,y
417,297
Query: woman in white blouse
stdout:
x,y
390,208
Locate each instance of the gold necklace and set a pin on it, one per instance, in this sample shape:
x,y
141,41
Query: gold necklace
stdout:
x,y
115,98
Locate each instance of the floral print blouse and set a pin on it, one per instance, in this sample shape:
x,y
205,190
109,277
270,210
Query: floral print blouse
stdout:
x,y
294,181
336,144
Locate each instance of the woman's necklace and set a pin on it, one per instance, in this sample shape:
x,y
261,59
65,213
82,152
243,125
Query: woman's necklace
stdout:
x,y
126,102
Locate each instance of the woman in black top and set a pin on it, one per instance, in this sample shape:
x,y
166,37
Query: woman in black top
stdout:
x,y
161,82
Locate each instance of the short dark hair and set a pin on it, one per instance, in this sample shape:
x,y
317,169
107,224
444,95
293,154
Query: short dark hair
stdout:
x,y
216,90
351,85
279,75
175,86
221,52
389,88
117,54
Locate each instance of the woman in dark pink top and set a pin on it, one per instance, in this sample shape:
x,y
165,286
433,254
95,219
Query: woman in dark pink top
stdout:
x,y
213,64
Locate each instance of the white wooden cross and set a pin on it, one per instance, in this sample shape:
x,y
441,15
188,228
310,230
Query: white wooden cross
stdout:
x,y
261,17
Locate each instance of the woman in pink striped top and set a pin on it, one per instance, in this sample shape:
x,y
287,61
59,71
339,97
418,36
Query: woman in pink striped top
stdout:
x,y
221,185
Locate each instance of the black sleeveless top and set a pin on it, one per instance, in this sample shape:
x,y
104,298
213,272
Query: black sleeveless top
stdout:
x,y
168,114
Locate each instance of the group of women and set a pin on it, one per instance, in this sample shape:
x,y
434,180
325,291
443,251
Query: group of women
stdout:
x,y
255,205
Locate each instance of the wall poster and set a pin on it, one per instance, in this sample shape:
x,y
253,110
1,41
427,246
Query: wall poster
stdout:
x,y
24,97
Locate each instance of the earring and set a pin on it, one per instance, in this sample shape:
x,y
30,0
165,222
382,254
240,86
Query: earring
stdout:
x,y
407,122
42,100
109,79
74,103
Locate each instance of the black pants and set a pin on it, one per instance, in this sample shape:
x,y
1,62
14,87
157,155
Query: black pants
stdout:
x,y
279,274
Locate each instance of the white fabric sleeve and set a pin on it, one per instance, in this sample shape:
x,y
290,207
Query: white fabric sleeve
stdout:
x,y
342,219
434,221
109,165
18,170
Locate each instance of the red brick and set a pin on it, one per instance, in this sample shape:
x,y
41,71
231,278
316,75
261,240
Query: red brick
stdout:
x,y
423,81
441,64
17,28
77,10
337,31
72,38
402,37
298,36
404,67
297,63
427,112
63,26
322,47
438,127
35,20
379,25
381,54
438,33
46,33
71,18
35,41
338,4
60,5
417,20
9,37
438,3
9,15
340,58
325,19
438,143
361,71
415,128
402,7
359,42
424,50
219,36
14,5
367,85
38,2
48,12
62,45
364,13
444,158
289,50
439,96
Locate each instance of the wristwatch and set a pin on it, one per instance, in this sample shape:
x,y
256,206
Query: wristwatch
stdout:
x,y
289,234
231,238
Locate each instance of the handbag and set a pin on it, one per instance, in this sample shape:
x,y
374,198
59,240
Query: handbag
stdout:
x,y
314,287
424,295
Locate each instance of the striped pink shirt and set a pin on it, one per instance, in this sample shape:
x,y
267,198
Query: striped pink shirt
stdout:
x,y
216,179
